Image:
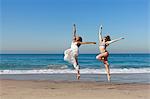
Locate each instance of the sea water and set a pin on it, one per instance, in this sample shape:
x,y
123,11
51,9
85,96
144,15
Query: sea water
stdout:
x,y
55,64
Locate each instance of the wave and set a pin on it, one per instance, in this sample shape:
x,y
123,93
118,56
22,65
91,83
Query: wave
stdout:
x,y
83,71
54,66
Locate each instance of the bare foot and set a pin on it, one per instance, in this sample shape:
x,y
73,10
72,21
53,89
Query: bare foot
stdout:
x,y
78,76
109,78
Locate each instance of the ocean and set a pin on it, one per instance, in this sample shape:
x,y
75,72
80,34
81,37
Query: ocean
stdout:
x,y
55,64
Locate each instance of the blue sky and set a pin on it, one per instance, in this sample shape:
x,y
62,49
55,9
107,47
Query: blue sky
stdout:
x,y
45,26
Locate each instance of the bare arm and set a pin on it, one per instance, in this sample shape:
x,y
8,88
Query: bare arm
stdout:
x,y
115,40
87,42
100,34
74,32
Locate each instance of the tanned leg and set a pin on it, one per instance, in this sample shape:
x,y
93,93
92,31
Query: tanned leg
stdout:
x,y
107,70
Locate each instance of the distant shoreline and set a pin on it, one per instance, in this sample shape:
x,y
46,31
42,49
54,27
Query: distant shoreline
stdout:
x,y
115,78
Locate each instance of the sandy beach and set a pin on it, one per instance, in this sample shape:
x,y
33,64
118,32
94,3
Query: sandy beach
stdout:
x,y
47,89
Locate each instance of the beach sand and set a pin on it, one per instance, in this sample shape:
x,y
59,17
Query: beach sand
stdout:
x,y
47,89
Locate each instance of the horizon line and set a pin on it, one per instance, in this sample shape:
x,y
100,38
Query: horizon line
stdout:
x,y
79,54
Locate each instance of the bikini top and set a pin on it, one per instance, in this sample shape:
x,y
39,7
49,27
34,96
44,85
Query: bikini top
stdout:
x,y
103,44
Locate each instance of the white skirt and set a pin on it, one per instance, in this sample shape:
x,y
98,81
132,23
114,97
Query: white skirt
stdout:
x,y
70,56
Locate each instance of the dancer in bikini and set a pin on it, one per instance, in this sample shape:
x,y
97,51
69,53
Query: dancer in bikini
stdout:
x,y
103,44
71,54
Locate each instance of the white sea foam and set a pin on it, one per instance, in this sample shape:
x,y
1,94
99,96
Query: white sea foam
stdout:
x,y
83,71
56,66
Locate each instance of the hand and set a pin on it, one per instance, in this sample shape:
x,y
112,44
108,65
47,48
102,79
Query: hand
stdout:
x,y
94,42
121,38
101,26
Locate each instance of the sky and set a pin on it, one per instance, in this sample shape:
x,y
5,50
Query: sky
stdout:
x,y
45,26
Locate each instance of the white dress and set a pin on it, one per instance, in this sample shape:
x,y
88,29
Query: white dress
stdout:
x,y
71,54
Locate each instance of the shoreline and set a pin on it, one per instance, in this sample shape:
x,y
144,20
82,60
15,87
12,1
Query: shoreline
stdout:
x,y
46,89
143,78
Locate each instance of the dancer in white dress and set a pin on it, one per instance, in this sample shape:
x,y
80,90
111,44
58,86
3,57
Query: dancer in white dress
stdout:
x,y
71,54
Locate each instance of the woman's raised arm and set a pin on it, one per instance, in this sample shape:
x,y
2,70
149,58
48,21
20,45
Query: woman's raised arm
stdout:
x,y
74,32
100,34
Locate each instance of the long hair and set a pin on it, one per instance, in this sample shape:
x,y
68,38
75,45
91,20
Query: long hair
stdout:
x,y
79,38
107,38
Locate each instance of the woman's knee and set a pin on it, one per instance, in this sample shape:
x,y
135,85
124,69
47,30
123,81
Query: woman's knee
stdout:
x,y
98,56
